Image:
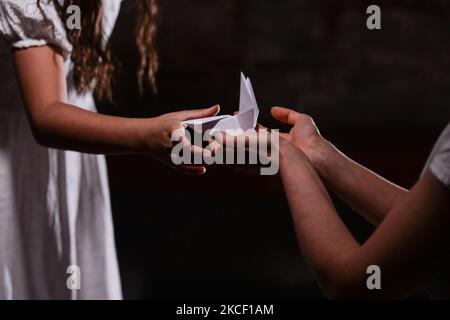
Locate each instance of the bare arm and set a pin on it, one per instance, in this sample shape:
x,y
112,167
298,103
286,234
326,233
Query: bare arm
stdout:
x,y
57,124
365,191
410,245
369,194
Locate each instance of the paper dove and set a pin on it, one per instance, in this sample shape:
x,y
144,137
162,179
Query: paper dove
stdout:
x,y
245,120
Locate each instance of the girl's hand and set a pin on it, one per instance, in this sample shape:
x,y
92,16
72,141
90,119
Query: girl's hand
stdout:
x,y
304,134
157,133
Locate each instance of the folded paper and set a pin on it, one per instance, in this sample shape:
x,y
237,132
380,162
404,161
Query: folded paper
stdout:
x,y
245,120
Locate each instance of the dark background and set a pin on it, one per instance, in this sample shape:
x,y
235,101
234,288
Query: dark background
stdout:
x,y
381,96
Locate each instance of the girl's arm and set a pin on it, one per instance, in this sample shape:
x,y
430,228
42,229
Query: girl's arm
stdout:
x,y
410,246
368,193
57,124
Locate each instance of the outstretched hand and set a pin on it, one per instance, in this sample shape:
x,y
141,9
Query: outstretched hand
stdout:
x,y
304,133
257,145
158,137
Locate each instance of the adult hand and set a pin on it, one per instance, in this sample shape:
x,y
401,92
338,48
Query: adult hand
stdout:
x,y
251,150
304,134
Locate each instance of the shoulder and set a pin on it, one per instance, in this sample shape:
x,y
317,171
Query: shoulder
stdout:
x,y
440,158
28,23
20,12
14,8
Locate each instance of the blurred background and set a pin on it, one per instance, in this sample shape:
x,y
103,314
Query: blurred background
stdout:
x,y
381,96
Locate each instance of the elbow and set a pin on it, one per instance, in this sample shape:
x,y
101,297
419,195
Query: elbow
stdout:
x,y
42,123
39,137
41,133
41,129
353,286
359,291
343,284
341,290
42,140
334,287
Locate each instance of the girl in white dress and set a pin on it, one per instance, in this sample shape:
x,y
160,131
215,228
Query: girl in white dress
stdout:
x,y
56,233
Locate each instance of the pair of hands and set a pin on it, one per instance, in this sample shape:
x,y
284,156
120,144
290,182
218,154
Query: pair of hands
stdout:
x,y
157,137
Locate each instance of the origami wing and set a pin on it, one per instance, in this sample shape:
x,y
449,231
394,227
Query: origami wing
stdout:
x,y
246,119
248,110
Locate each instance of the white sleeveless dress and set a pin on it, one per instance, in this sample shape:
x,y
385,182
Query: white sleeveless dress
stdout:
x,y
54,205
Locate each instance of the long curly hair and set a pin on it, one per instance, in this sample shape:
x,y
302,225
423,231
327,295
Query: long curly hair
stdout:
x,y
93,60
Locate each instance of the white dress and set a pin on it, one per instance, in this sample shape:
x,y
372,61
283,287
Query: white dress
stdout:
x,y
439,165
54,205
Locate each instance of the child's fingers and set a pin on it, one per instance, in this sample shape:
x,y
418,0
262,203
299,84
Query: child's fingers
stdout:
x,y
199,113
192,169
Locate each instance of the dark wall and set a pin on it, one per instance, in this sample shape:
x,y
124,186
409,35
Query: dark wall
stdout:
x,y
381,96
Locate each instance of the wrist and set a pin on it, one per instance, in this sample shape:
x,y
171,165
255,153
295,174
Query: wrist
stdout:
x,y
288,152
143,135
318,150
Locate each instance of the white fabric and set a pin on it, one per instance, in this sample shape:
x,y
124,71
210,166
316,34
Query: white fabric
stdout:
x,y
439,162
439,165
26,24
54,205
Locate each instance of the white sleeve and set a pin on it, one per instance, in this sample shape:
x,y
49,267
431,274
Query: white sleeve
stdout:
x,y
33,23
440,161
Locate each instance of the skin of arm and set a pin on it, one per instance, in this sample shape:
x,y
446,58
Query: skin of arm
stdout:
x,y
57,124
410,246
368,193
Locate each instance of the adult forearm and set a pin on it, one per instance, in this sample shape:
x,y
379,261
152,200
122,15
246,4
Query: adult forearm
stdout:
x,y
324,239
368,193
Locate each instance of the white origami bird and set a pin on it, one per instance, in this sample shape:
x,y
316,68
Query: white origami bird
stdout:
x,y
245,120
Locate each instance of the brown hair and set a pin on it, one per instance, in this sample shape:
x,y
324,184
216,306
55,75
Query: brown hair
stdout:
x,y
93,61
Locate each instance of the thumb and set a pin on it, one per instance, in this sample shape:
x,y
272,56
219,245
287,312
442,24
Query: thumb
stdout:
x,y
285,115
199,113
